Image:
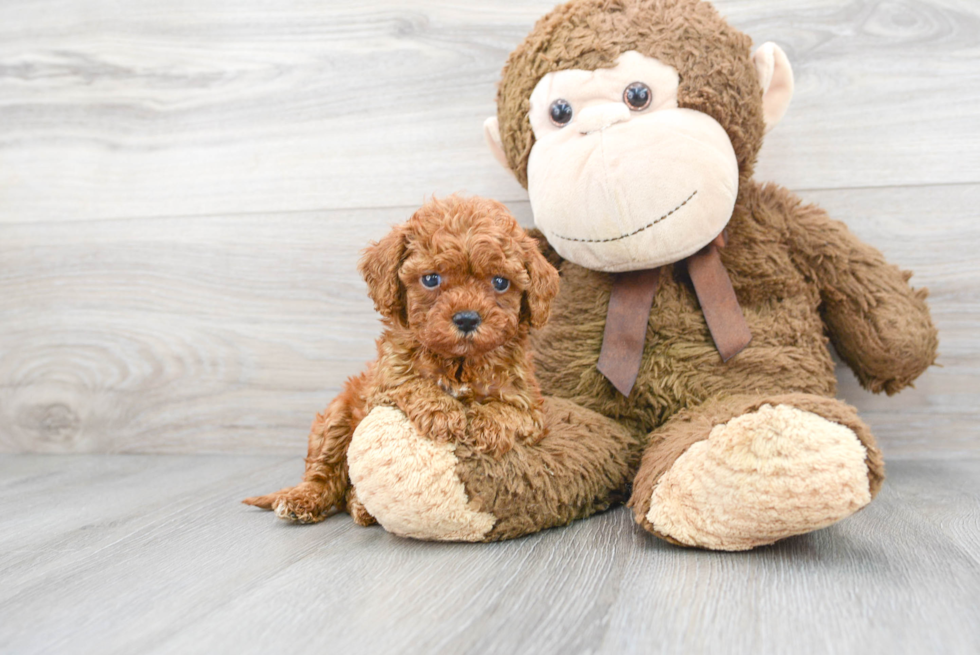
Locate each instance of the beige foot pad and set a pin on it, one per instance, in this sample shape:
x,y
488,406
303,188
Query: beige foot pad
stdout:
x,y
761,477
409,483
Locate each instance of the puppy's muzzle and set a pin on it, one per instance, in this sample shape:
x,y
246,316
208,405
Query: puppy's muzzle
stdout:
x,y
466,321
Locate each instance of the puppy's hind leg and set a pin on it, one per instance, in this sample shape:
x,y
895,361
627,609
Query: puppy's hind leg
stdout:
x,y
325,482
357,510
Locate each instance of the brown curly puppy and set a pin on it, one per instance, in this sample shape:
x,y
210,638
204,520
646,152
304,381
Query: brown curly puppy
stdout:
x,y
458,286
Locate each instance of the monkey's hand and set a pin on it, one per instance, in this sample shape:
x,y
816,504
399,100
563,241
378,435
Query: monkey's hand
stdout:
x,y
879,324
887,338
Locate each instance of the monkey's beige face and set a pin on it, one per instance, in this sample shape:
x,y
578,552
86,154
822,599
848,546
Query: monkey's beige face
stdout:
x,y
620,178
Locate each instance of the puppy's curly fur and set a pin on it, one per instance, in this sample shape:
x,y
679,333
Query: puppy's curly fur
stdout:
x,y
455,383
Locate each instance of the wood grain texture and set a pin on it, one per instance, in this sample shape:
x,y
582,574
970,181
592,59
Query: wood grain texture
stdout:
x,y
227,334
112,554
185,188
112,109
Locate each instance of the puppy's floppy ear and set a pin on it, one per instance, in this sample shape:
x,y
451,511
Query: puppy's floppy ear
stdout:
x,y
379,266
543,285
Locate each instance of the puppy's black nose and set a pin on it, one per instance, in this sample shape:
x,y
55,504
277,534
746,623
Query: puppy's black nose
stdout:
x,y
466,321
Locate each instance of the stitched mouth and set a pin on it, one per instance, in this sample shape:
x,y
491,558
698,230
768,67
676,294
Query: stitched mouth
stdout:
x,y
634,232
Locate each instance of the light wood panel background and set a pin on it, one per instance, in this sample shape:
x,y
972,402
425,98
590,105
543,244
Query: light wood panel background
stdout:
x,y
185,187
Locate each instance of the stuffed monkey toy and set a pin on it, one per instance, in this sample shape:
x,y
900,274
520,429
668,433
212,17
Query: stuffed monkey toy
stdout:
x,y
696,304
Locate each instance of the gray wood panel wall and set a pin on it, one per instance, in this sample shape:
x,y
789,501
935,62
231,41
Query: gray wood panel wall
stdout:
x,y
185,188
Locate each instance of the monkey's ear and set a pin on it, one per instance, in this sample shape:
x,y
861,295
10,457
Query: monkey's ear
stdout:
x,y
543,285
776,79
491,133
379,266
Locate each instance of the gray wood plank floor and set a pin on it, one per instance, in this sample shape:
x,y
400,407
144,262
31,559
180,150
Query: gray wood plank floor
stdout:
x,y
153,554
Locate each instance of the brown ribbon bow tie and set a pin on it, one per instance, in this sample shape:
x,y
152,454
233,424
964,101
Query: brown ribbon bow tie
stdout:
x,y
629,311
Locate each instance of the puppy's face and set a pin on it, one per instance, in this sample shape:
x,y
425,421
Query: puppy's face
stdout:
x,y
463,292
468,277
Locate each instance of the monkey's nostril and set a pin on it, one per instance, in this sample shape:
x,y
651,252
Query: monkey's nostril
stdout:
x,y
466,321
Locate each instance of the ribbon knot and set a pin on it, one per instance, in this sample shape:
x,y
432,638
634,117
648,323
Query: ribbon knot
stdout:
x,y
629,312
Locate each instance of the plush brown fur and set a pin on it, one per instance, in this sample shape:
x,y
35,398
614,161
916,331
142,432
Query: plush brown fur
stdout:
x,y
582,465
475,389
799,276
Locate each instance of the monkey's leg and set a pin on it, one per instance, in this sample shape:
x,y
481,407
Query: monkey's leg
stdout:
x,y
426,489
326,480
746,471
581,465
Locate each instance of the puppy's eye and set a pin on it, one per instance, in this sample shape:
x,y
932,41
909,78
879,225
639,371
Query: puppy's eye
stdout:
x,y
431,280
560,112
501,284
637,96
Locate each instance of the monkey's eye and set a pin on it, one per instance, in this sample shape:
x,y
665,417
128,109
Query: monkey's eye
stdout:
x,y
501,284
561,112
431,280
637,96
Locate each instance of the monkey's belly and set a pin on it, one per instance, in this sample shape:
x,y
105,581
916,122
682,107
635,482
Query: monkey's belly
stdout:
x,y
680,366
409,483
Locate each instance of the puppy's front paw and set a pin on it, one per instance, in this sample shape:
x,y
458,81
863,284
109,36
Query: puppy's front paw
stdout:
x,y
487,433
440,425
495,427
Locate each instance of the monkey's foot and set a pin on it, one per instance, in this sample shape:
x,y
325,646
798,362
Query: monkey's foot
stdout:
x,y
765,475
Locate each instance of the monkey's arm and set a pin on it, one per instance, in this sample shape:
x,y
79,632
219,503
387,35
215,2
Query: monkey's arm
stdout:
x,y
879,324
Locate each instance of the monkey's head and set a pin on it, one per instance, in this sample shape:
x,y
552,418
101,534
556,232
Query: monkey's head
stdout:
x,y
632,123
